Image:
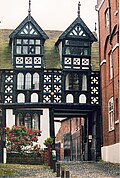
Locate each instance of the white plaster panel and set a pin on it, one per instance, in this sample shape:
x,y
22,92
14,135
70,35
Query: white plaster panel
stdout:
x,y
111,153
44,127
10,118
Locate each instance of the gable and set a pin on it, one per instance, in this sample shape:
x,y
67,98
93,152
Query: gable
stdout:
x,y
77,29
29,27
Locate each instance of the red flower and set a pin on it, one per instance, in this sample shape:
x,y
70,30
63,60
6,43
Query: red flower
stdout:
x,y
34,139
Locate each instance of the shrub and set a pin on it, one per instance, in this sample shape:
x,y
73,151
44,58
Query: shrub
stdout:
x,y
20,138
48,141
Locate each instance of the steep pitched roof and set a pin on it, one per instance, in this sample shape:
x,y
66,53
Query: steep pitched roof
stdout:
x,y
51,53
29,19
85,31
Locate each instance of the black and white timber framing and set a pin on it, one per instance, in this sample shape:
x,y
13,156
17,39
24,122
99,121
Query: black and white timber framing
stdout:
x,y
72,90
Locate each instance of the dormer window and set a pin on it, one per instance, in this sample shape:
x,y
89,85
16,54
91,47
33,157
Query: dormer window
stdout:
x,y
76,47
28,46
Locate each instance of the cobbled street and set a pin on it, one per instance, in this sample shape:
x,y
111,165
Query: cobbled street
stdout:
x,y
92,169
75,169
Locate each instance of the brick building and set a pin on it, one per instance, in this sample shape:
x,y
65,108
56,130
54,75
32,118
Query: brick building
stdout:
x,y
108,15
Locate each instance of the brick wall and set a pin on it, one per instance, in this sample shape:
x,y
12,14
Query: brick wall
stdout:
x,y
109,87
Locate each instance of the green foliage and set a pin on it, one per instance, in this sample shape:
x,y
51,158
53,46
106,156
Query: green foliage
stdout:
x,y
48,141
20,137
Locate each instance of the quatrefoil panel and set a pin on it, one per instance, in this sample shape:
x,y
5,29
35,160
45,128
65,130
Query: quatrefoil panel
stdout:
x,y
57,78
47,88
57,99
8,88
28,60
8,78
76,61
94,100
47,78
8,99
94,80
19,60
37,60
94,90
85,62
47,98
68,60
57,88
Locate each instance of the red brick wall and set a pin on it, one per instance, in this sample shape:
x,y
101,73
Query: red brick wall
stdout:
x,y
65,128
109,87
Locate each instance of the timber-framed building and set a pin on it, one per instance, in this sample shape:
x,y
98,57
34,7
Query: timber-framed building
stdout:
x,y
37,97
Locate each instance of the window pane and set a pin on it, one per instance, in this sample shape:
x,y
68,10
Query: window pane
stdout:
x,y
36,81
37,50
28,81
25,49
75,79
25,41
111,66
84,82
18,49
19,119
31,42
27,121
18,41
76,50
38,42
20,81
35,122
31,50
111,114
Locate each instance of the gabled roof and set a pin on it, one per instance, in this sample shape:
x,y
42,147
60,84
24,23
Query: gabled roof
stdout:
x,y
29,19
50,52
85,32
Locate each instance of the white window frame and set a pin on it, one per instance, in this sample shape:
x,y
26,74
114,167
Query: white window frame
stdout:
x,y
107,17
111,113
111,65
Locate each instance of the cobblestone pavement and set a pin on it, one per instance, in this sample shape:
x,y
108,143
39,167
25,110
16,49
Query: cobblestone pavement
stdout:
x,y
92,169
36,173
76,169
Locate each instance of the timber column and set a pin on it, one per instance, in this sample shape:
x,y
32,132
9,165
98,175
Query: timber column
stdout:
x,y
52,134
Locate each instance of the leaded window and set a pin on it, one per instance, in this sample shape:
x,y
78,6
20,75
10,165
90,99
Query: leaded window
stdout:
x,y
76,47
20,81
28,81
76,81
30,120
111,114
36,81
28,46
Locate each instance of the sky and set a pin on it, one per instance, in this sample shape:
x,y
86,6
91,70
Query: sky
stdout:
x,y
49,14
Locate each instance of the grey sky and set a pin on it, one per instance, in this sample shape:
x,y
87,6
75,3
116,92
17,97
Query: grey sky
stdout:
x,y
49,14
